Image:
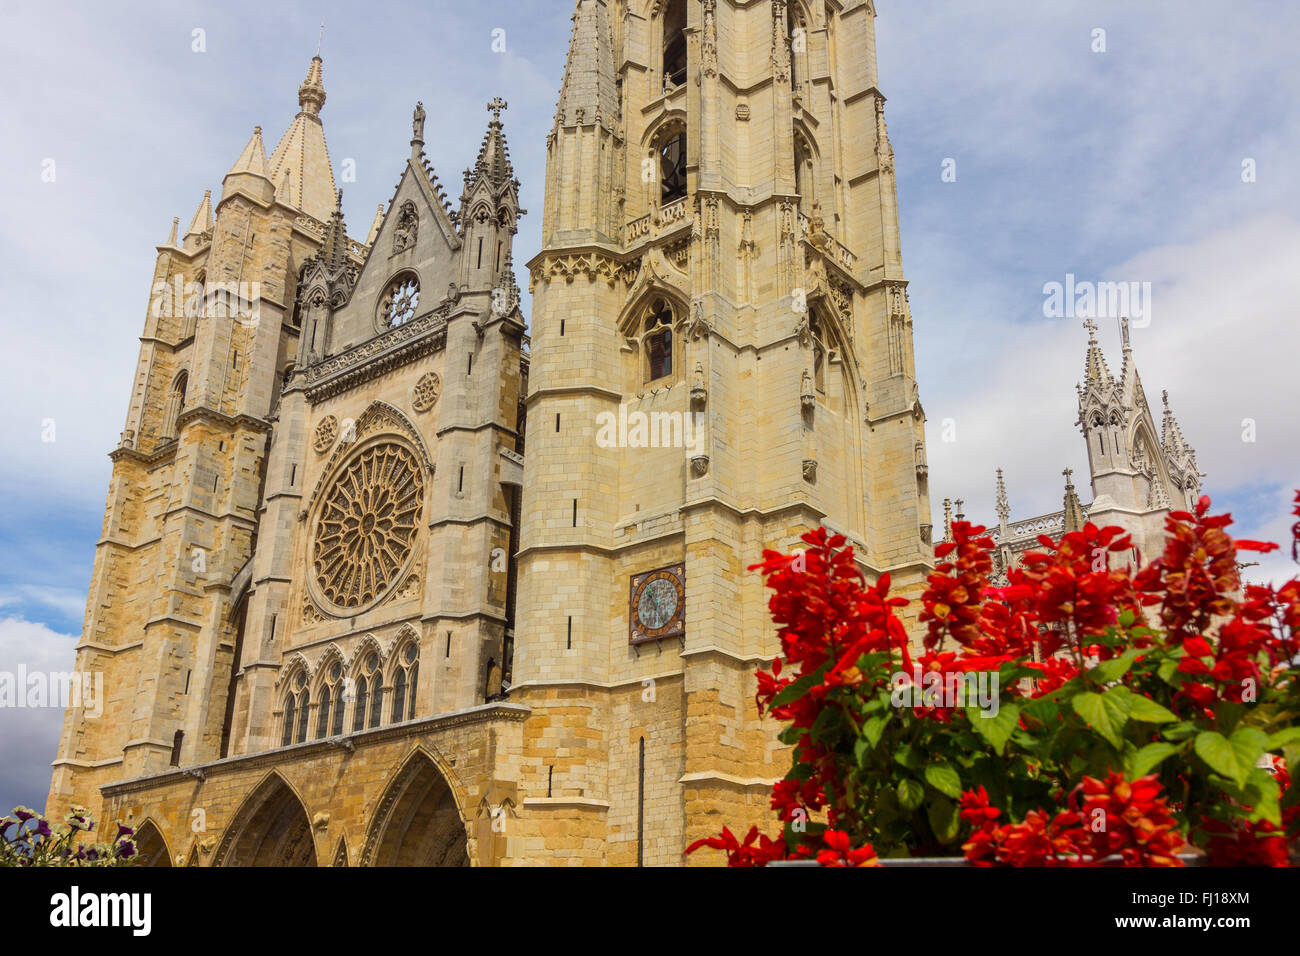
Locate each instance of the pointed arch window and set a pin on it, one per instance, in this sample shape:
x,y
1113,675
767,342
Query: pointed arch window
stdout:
x,y
370,694
674,45
404,678
330,720
672,168
297,706
657,339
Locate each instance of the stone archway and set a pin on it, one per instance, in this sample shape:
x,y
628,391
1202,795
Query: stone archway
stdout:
x,y
270,829
150,847
417,822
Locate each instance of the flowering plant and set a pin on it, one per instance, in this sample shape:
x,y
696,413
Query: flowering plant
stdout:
x,y
27,839
1122,713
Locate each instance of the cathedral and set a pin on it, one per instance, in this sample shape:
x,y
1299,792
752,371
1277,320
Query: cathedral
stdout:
x,y
1136,480
351,611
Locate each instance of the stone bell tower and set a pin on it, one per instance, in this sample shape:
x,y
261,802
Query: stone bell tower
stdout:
x,y
722,359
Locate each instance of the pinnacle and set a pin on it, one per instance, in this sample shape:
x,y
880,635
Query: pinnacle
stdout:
x,y
202,221
253,159
311,95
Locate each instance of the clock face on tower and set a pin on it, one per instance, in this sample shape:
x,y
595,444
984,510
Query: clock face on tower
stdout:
x,y
657,604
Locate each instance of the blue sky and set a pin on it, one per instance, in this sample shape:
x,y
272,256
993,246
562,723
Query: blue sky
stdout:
x,y
1122,165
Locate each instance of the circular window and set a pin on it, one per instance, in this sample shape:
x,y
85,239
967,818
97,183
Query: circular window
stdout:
x,y
399,302
366,529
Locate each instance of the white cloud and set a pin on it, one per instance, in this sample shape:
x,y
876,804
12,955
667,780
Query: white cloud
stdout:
x,y
29,736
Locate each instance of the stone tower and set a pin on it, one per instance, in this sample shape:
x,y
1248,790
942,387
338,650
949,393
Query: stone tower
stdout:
x,y
1136,478
303,599
722,359
182,511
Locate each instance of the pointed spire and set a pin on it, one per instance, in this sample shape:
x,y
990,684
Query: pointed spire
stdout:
x,y
334,253
311,95
1004,506
176,224
253,159
1095,371
1171,436
493,163
374,226
300,166
1073,507
947,519
202,221
589,92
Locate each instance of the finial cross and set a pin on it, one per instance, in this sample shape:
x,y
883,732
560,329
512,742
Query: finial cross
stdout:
x,y
1069,474
495,108
1091,326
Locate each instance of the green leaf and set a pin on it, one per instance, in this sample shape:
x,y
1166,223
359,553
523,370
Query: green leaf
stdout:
x,y
943,778
1114,669
1262,794
1180,731
792,692
874,727
1234,756
944,820
1150,757
1107,713
1148,711
996,729
1283,738
910,794
1168,670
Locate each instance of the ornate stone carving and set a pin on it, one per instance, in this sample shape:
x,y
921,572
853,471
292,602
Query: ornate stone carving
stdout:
x,y
699,393
327,432
810,470
368,522
408,224
425,394
310,614
699,466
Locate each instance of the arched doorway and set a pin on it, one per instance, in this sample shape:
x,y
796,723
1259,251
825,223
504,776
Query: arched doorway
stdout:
x,y
270,829
150,847
418,822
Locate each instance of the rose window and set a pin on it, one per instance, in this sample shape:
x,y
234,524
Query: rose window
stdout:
x,y
398,304
367,525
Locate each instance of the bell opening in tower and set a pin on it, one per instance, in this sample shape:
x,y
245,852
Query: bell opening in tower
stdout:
x,y
674,45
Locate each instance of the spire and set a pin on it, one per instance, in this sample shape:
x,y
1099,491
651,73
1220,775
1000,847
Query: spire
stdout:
x,y
311,95
334,253
947,519
1073,507
253,159
493,163
1004,506
589,93
176,224
300,165
1171,436
1095,372
374,226
202,221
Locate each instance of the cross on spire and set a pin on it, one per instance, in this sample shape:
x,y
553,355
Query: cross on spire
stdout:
x,y
1091,326
1069,475
495,108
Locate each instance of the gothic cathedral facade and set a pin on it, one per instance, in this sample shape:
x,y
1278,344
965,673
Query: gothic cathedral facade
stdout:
x,y
345,617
